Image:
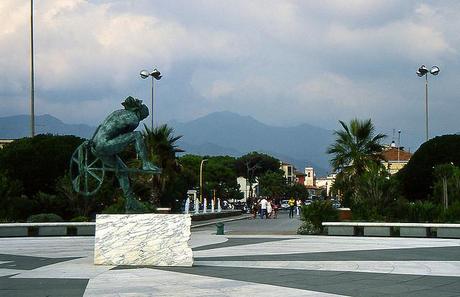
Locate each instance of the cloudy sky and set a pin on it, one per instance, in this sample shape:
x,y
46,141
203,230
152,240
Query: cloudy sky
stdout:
x,y
282,62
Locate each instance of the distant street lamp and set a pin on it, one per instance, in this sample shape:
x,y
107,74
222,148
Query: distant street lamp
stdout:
x,y
155,74
423,71
201,179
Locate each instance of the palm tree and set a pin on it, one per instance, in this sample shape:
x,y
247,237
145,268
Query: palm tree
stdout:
x,y
161,149
354,149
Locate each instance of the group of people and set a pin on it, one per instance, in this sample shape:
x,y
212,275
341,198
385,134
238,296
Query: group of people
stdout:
x,y
294,205
266,208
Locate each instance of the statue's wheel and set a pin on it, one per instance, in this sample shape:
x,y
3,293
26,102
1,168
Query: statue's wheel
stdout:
x,y
86,170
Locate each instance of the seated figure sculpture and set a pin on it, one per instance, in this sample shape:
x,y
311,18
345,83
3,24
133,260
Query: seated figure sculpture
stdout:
x,y
114,134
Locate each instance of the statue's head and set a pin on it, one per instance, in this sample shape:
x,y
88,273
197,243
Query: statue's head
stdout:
x,y
135,105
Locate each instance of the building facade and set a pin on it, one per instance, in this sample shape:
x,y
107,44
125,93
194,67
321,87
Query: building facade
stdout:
x,y
246,189
310,177
326,182
394,159
289,173
4,142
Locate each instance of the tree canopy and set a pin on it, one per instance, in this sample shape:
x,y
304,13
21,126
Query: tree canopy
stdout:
x,y
255,164
417,177
39,161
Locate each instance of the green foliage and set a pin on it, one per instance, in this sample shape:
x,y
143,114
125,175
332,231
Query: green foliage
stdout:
x,y
452,214
218,174
44,217
38,162
318,212
80,219
272,184
307,228
255,164
417,177
446,188
423,211
162,149
356,147
376,193
297,191
115,208
50,203
13,205
354,150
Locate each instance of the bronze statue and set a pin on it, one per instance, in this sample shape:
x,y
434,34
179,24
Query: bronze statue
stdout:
x,y
111,137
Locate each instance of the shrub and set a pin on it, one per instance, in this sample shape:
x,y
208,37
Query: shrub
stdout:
x,y
423,211
307,228
44,217
318,212
362,211
452,214
80,219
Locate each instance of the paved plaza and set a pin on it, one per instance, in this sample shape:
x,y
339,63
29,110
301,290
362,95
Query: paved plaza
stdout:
x,y
240,263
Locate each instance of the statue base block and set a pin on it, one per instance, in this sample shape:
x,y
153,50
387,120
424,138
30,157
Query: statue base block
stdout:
x,y
143,239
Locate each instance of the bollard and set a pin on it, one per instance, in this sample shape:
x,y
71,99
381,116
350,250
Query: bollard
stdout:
x,y
220,228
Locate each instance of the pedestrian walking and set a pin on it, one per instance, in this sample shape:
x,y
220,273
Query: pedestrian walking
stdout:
x,y
254,208
291,204
275,207
263,207
298,206
268,215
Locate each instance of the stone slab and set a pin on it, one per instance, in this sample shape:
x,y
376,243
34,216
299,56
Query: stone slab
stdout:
x,y
413,232
143,239
340,230
13,231
448,232
52,231
376,231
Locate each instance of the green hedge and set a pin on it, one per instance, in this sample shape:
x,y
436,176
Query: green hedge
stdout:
x,y
44,217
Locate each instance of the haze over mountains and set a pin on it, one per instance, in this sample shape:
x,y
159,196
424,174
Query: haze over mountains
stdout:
x,y
219,133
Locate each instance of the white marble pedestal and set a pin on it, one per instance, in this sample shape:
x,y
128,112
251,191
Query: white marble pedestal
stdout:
x,y
143,239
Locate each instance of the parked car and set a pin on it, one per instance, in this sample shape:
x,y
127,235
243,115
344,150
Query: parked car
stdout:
x,y
336,204
284,204
307,202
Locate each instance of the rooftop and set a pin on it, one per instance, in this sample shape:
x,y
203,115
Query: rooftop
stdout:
x,y
391,154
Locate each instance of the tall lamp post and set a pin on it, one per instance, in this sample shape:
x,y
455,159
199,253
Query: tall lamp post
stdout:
x,y
156,75
201,179
423,71
32,87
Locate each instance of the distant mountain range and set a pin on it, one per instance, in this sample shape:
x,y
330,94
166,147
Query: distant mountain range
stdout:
x,y
13,127
219,133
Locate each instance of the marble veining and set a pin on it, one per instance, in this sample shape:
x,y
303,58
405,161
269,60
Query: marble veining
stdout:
x,y
143,239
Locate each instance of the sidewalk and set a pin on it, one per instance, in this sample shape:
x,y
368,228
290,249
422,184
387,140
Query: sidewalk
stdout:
x,y
240,265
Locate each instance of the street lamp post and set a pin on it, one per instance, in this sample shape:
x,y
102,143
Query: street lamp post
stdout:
x,y
201,179
423,71
156,75
32,87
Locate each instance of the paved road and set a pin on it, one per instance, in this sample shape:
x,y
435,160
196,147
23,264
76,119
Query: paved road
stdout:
x,y
252,259
283,225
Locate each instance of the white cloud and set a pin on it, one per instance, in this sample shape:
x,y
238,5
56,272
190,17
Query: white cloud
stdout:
x,y
276,60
